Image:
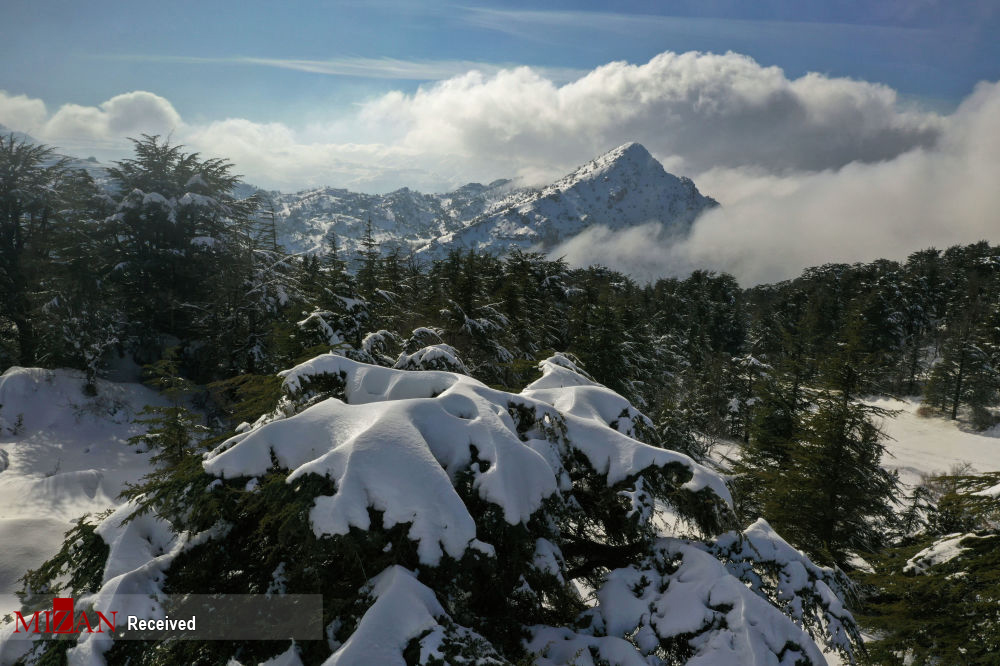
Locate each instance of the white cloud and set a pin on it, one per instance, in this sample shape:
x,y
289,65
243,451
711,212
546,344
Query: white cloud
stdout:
x,y
126,115
20,112
704,110
771,227
694,111
369,68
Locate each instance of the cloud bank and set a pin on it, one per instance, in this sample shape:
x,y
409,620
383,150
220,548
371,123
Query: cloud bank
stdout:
x,y
695,111
808,170
771,226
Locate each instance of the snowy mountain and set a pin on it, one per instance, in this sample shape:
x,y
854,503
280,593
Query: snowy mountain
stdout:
x,y
622,188
404,218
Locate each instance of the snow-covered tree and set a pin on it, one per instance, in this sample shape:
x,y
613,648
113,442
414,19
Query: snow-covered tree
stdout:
x,y
448,522
933,599
186,266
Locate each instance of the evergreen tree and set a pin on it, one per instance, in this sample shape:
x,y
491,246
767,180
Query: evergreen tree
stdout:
x,y
188,268
482,529
967,373
368,261
29,205
932,599
172,428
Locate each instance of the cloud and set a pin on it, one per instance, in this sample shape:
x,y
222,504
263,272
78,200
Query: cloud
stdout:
x,y
770,227
702,110
274,155
21,112
694,111
535,23
107,125
809,170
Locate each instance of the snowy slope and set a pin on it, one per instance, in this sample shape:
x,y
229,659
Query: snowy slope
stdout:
x,y
65,455
622,188
403,218
934,445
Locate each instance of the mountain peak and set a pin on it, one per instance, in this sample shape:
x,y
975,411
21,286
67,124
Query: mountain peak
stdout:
x,y
629,157
627,152
630,149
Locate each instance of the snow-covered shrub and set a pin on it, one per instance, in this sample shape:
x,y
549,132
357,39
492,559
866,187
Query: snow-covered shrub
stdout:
x,y
448,522
433,357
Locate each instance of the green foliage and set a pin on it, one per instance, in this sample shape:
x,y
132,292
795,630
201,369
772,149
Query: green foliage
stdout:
x,y
945,612
29,219
78,567
172,433
244,398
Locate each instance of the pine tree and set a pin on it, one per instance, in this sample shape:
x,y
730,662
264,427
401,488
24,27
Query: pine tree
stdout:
x,y
187,264
173,428
835,497
368,261
173,433
968,373
29,205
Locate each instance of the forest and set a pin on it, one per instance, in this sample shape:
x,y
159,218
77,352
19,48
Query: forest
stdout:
x,y
161,274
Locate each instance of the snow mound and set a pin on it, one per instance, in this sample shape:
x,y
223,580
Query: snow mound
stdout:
x,y
398,441
943,550
405,609
432,357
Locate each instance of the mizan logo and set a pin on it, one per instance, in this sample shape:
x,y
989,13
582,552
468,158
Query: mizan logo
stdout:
x,y
62,620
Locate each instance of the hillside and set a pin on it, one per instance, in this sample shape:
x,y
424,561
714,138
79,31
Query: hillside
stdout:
x,y
62,454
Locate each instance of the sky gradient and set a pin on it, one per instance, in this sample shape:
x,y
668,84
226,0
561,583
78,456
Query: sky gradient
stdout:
x,y
291,61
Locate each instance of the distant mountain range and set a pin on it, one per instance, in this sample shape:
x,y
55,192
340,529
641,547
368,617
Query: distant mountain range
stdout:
x,y
622,188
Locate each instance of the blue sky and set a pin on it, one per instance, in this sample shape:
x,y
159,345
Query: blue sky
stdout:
x,y
217,59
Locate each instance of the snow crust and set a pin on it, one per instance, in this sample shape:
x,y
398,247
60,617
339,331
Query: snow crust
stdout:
x,y
399,439
404,608
64,454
